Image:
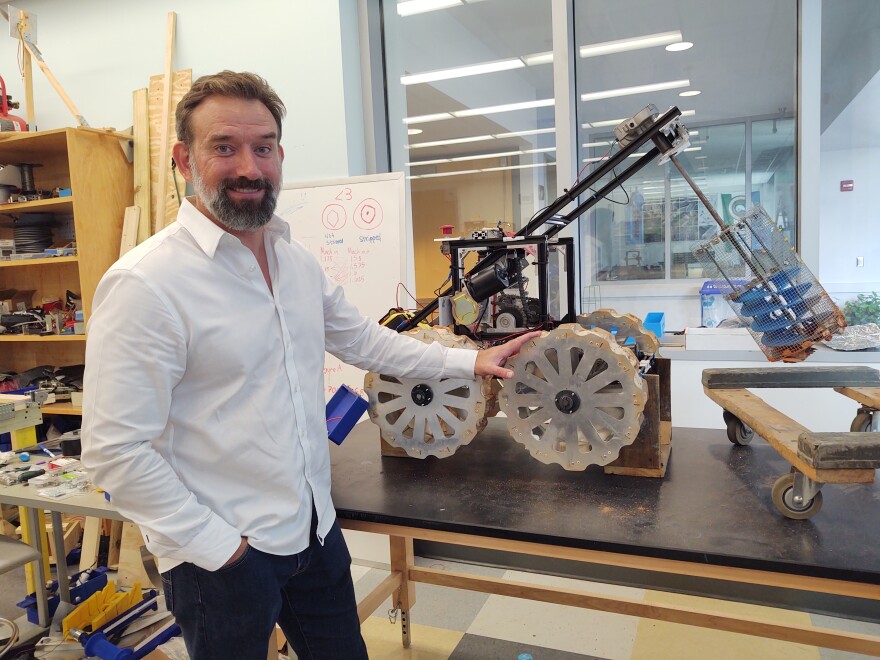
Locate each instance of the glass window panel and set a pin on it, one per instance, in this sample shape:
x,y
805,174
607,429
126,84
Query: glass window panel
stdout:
x,y
849,248
734,81
477,103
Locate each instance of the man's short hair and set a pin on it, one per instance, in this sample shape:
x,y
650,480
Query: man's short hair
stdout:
x,y
244,85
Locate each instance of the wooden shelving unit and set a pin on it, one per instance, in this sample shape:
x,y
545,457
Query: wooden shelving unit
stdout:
x,y
94,166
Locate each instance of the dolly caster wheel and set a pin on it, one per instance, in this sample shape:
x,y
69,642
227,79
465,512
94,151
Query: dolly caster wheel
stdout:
x,y
862,422
783,499
737,432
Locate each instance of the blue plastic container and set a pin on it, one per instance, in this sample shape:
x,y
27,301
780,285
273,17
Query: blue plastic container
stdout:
x,y
344,409
97,580
656,323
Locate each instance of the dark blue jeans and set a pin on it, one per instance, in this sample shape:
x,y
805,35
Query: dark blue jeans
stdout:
x,y
230,613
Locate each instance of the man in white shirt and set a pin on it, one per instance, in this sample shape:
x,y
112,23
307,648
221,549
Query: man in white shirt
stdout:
x,y
203,408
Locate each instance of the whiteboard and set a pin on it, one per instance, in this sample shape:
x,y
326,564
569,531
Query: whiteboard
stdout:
x,y
355,229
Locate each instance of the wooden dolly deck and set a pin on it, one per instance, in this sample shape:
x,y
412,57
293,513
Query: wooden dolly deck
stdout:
x,y
816,458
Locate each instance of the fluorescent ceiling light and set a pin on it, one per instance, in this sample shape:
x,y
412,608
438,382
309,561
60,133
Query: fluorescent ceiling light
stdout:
x,y
487,169
411,7
440,143
637,89
421,119
694,149
518,167
503,154
462,71
605,143
482,156
690,92
507,107
414,131
537,131
416,163
700,157
538,58
453,173
615,122
681,45
636,43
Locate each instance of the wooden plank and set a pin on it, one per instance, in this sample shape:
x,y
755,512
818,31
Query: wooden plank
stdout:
x,y
24,27
791,377
141,162
114,545
386,449
164,148
402,561
824,637
91,540
385,589
27,69
130,224
180,85
648,456
101,179
131,566
868,396
840,449
782,433
605,558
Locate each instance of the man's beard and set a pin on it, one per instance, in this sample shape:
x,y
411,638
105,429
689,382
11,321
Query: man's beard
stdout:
x,y
244,215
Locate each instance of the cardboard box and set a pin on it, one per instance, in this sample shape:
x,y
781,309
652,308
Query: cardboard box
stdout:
x,y
719,339
13,300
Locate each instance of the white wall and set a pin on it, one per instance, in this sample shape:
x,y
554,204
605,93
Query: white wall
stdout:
x,y
102,50
850,222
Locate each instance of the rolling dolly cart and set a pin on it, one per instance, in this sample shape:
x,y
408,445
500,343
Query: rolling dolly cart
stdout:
x,y
850,457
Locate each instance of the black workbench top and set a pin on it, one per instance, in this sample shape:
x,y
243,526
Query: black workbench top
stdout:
x,y
713,506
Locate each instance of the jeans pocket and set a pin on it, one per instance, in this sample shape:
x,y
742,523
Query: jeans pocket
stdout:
x,y
167,591
238,562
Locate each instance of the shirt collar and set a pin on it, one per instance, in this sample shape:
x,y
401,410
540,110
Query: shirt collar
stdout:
x,y
208,234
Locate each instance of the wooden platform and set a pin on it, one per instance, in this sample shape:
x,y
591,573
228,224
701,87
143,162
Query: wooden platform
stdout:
x,y
782,433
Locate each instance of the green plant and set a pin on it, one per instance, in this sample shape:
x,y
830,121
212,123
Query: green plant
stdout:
x,y
864,308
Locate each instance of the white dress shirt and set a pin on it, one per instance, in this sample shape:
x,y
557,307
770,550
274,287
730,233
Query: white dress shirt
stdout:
x,y
203,398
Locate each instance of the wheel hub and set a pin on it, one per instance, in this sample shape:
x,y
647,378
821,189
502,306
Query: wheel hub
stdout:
x,y
567,401
422,394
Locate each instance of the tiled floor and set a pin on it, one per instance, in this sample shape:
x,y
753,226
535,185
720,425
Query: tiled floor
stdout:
x,y
464,625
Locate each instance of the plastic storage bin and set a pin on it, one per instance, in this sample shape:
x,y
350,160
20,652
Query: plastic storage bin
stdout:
x,y
343,411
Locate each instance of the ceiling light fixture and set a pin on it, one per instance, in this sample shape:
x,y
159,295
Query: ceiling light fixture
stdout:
x,y
536,131
518,167
605,143
636,43
681,45
690,92
483,156
414,131
538,58
637,89
507,107
462,71
417,163
421,119
440,143
411,7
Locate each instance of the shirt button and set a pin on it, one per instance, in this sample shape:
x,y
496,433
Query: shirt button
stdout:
x,y
252,268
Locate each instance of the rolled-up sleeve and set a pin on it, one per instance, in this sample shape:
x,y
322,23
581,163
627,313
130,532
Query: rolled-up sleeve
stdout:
x,y
135,355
